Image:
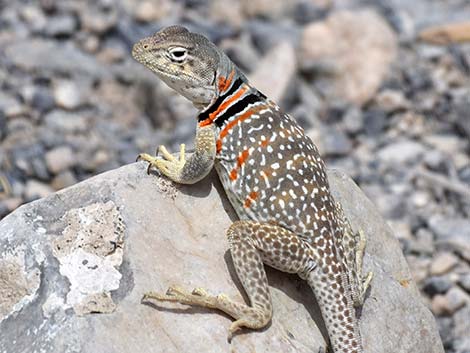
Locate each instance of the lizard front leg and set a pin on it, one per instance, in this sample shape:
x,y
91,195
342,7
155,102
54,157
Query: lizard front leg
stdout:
x,y
187,170
251,245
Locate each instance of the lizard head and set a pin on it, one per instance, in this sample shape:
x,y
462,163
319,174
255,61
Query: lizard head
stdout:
x,y
187,62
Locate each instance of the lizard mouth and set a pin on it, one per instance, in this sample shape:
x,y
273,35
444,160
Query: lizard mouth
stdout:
x,y
147,59
163,71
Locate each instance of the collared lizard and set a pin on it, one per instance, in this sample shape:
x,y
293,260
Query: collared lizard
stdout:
x,y
275,179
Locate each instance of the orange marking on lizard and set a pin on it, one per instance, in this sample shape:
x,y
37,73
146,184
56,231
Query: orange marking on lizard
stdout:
x,y
224,83
225,104
242,157
231,124
221,83
266,174
218,145
251,197
233,174
240,161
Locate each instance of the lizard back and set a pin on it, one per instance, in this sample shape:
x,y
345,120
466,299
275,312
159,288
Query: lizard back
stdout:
x,y
271,171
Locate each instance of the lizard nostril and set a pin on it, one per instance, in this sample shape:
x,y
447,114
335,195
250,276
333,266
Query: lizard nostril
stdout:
x,y
146,46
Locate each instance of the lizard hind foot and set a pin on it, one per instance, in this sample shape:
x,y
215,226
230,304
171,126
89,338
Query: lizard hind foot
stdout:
x,y
363,280
245,316
198,297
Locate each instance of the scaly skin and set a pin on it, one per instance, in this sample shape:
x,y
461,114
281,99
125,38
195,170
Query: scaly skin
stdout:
x,y
275,179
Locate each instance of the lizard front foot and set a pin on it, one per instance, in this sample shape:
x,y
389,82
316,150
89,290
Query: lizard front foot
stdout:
x,y
168,165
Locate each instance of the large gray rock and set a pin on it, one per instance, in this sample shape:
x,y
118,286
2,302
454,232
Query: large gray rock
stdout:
x,y
46,54
74,266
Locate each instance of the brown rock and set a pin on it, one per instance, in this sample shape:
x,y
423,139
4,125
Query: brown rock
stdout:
x,y
60,159
443,263
265,8
12,203
449,303
447,33
150,11
63,180
356,46
98,22
35,189
227,11
439,304
391,100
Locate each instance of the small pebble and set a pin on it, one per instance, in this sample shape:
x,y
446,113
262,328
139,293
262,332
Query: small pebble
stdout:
x,y
67,95
449,303
392,100
443,263
151,11
436,285
63,180
35,189
60,159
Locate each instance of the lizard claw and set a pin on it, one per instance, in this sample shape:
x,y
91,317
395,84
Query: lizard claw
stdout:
x,y
152,161
167,164
200,292
234,327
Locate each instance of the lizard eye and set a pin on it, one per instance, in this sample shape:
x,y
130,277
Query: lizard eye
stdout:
x,y
178,54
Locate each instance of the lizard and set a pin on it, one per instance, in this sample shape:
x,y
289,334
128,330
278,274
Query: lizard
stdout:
x,y
275,179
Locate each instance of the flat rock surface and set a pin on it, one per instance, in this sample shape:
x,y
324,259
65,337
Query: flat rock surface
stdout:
x,y
74,266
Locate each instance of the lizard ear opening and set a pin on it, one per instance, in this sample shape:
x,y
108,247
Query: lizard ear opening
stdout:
x,y
214,78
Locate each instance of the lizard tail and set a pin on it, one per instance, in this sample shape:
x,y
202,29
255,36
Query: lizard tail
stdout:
x,y
332,292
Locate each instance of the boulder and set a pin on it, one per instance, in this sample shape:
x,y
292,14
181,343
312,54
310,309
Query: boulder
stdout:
x,y
353,50
74,267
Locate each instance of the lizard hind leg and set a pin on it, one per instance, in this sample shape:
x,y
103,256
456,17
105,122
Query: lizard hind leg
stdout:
x,y
251,244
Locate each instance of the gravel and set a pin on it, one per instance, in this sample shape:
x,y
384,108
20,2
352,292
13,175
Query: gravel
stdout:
x,y
390,110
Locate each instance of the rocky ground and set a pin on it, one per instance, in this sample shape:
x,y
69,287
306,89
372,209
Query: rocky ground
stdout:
x,y
380,100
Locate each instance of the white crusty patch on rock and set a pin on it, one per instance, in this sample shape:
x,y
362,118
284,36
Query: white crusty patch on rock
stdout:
x,y
18,286
90,250
52,304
